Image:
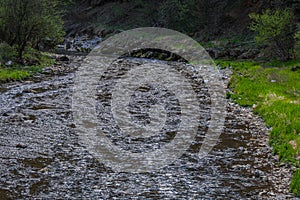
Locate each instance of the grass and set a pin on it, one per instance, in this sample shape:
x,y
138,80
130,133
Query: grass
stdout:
x,y
295,183
273,89
18,72
7,74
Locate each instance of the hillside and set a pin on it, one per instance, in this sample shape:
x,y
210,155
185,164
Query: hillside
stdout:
x,y
203,20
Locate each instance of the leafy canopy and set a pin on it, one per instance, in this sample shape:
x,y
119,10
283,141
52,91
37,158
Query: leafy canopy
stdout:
x,y
275,30
28,22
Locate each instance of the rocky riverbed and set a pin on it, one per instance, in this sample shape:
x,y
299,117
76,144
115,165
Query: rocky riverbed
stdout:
x,y
42,157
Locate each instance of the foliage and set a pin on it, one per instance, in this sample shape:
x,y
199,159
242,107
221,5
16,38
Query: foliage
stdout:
x,y
297,37
6,52
174,14
191,15
279,4
276,31
28,22
276,93
116,16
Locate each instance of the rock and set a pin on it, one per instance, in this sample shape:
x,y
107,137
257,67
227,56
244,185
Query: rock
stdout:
x,y
233,53
46,44
5,114
82,43
63,59
258,173
61,46
295,68
225,53
18,117
250,54
294,144
68,45
44,170
72,125
104,33
9,63
215,53
21,146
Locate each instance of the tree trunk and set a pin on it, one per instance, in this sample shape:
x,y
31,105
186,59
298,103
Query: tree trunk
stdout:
x,y
20,53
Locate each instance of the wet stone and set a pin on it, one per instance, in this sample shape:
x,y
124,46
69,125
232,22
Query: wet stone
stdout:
x,y
45,159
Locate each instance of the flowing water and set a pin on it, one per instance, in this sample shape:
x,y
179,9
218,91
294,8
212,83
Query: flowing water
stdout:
x,y
42,156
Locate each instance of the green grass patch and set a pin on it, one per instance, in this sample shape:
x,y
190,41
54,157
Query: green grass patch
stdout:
x,y
19,72
7,74
295,183
274,90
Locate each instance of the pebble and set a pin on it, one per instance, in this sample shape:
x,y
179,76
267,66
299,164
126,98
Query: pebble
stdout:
x,y
241,166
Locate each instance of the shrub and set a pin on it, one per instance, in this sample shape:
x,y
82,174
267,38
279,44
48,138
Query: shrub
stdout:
x,y
27,22
6,52
275,30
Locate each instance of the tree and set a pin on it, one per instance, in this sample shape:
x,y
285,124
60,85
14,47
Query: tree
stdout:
x,y
297,37
275,30
191,15
27,22
174,14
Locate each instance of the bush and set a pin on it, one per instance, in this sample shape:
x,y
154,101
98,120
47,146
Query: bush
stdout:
x,y
27,22
275,30
7,52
